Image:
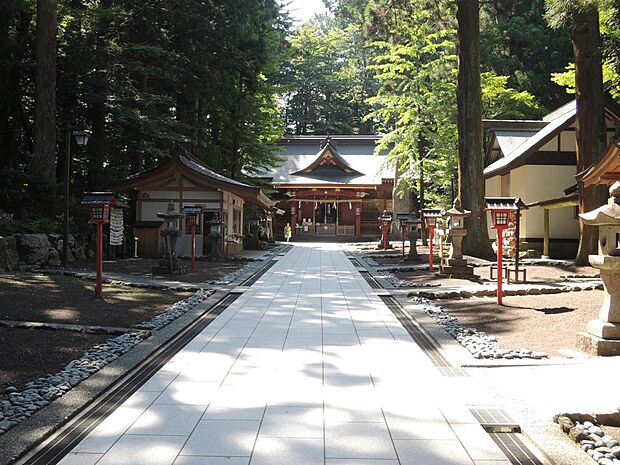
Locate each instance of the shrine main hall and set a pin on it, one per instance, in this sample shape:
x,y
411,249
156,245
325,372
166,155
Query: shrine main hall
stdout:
x,y
331,186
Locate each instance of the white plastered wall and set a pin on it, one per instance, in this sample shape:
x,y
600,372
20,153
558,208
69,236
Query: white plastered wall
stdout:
x,y
534,183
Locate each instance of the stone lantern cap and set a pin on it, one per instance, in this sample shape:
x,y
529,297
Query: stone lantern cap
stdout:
x,y
457,210
608,214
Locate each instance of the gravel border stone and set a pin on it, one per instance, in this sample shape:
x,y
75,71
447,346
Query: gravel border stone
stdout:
x,y
478,343
592,439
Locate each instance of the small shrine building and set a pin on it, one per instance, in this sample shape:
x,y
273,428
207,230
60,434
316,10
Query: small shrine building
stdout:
x,y
187,181
331,186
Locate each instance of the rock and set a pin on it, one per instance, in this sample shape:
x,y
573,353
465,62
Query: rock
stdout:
x,y
33,248
53,258
10,390
9,258
615,450
577,434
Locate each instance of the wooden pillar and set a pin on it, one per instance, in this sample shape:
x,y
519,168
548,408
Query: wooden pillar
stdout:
x,y
545,253
293,219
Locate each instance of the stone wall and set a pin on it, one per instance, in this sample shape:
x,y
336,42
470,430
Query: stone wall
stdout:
x,y
23,250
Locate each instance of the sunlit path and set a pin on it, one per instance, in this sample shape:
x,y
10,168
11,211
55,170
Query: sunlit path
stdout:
x,y
307,367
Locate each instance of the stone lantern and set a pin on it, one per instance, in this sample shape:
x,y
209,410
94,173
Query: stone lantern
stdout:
x,y
457,265
170,232
415,226
603,335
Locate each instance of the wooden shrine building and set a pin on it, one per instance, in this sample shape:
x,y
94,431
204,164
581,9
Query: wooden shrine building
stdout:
x,y
187,181
331,186
536,161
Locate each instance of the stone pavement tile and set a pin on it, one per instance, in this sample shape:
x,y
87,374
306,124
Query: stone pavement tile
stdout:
x,y
492,462
237,403
478,443
168,420
434,452
358,440
288,451
144,450
188,393
457,414
360,462
199,460
76,458
110,430
292,422
222,438
159,381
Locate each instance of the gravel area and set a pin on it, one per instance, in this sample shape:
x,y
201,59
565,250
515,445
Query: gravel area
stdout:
x,y
543,323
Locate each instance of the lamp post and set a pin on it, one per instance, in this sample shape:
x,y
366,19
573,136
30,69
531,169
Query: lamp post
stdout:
x,y
216,226
99,204
81,138
403,223
386,222
193,215
430,216
501,209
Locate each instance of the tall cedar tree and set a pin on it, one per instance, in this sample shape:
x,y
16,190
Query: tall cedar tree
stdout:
x,y
590,122
471,160
42,166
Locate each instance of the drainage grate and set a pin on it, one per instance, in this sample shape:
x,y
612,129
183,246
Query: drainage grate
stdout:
x,y
504,432
370,279
514,449
431,351
495,420
355,261
54,449
256,276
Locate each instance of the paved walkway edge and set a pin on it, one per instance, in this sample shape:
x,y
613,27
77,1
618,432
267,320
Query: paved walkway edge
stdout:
x,y
31,432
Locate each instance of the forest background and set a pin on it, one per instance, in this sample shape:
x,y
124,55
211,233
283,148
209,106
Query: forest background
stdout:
x,y
226,79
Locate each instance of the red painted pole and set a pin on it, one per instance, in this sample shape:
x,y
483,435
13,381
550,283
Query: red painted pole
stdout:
x,y
99,285
431,231
500,265
385,230
193,245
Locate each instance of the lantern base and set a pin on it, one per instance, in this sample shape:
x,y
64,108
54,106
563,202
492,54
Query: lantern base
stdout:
x,y
594,345
457,267
167,266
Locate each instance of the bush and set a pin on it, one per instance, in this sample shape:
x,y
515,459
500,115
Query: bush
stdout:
x,y
30,226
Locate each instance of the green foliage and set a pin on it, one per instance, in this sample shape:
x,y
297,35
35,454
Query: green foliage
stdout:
x,y
43,225
502,102
144,77
328,81
517,42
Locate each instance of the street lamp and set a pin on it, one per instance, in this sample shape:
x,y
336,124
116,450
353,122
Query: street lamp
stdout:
x,y
386,223
99,204
431,215
403,222
81,138
501,208
193,215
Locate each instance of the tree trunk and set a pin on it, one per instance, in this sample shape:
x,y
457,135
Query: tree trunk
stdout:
x,y
42,166
471,160
590,124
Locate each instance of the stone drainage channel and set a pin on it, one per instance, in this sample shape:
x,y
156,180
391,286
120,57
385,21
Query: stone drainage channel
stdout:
x,y
478,343
20,405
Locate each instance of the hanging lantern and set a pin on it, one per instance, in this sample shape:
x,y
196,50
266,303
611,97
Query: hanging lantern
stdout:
x,y
350,206
299,205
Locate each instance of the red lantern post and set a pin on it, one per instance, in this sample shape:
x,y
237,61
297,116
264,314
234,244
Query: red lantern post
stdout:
x,y
99,203
501,209
193,214
403,220
386,222
430,216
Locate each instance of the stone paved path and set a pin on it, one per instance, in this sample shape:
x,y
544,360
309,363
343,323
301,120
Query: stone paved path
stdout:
x,y
307,367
